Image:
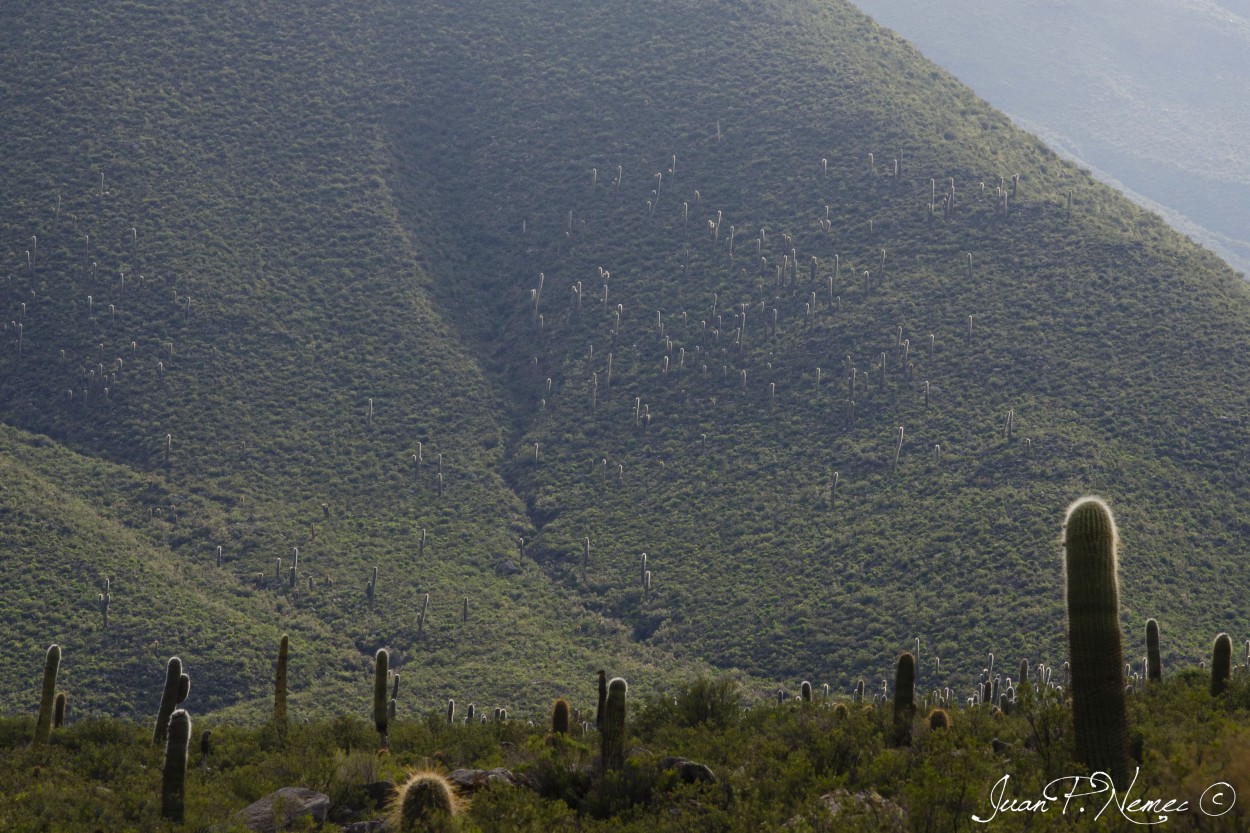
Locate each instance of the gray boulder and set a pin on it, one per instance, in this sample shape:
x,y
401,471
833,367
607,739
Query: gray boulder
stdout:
x,y
279,810
690,772
469,781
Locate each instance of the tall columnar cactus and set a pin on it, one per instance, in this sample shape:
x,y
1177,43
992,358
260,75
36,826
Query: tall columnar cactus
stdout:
x,y
904,698
43,725
206,746
380,662
805,691
58,711
1154,668
174,770
603,698
1097,661
560,717
279,682
1221,664
612,731
169,698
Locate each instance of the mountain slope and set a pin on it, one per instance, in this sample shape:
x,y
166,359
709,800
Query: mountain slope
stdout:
x,y
1120,86
218,295
358,202
1086,325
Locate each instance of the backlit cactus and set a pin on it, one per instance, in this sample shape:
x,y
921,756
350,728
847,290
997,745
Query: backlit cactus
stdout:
x,y
279,682
174,770
1221,664
603,698
43,725
1154,667
169,698
1097,661
380,714
425,801
904,698
612,748
560,717
58,711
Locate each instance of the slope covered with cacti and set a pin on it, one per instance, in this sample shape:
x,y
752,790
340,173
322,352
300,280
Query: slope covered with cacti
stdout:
x,y
641,336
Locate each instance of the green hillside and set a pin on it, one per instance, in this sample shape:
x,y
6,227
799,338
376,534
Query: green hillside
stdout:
x,y
276,270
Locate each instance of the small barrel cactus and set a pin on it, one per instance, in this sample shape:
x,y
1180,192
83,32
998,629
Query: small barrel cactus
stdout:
x,y
425,801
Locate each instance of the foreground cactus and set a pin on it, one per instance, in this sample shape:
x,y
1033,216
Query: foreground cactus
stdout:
x,y
904,698
58,711
939,719
603,698
1221,664
560,717
1094,644
169,698
43,725
1154,668
425,801
279,682
380,712
174,770
612,747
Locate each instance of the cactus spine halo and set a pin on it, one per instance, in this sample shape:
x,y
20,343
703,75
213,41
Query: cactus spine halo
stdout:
x,y
1094,641
425,801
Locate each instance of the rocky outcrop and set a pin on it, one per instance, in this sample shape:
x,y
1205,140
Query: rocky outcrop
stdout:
x,y
279,810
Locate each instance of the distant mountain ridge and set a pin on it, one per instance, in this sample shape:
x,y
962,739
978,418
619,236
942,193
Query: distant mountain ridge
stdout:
x,y
1151,95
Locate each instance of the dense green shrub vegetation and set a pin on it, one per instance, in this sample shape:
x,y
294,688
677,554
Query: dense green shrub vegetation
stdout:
x,y
271,284
772,763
